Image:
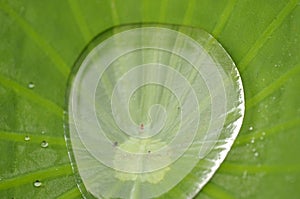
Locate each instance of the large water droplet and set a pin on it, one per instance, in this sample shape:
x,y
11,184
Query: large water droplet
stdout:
x,y
146,87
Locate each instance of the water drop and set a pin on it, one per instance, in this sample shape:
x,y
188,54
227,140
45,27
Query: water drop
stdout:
x,y
252,140
37,183
43,132
31,85
262,135
250,128
262,138
266,106
44,144
254,149
26,138
256,154
85,135
116,143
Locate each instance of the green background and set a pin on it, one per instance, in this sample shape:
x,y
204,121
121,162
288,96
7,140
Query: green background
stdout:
x,y
41,40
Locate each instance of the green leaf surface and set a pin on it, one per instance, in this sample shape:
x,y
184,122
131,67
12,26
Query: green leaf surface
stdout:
x,y
41,40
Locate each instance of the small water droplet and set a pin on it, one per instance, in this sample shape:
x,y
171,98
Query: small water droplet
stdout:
x,y
262,138
250,128
252,140
44,144
37,183
26,138
43,132
254,149
266,106
31,85
256,154
263,133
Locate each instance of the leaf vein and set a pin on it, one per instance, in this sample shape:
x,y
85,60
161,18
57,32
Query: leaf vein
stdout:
x,y
272,87
49,173
266,34
31,33
76,11
35,97
19,137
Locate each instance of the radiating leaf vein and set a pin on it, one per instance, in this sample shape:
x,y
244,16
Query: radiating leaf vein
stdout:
x,y
272,87
277,21
216,191
49,173
76,11
19,137
33,96
242,139
28,29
